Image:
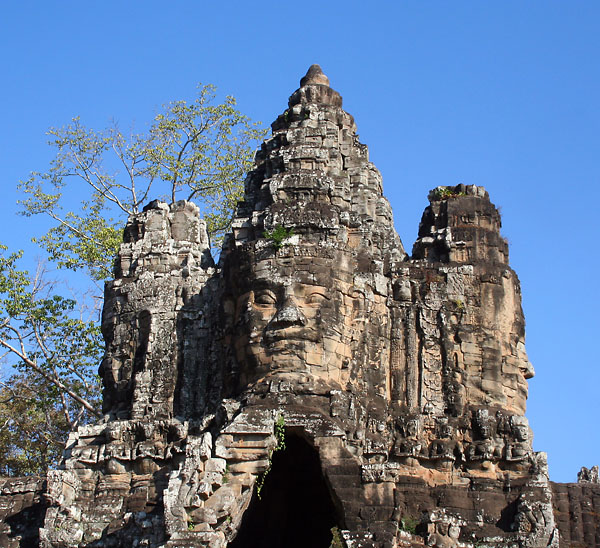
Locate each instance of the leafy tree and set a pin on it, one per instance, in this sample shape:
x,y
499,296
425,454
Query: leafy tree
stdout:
x,y
196,151
55,354
32,429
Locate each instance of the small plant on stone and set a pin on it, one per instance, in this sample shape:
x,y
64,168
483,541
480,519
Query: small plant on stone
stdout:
x,y
444,193
408,524
337,541
278,235
226,473
280,433
459,304
260,482
191,525
280,437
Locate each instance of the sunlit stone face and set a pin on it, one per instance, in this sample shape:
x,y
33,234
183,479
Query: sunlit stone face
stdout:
x,y
505,371
297,313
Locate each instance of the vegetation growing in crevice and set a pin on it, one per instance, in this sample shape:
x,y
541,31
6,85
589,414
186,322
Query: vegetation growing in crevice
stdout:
x,y
408,524
280,446
445,193
278,235
337,541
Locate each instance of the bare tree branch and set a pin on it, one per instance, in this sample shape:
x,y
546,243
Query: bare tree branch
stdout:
x,y
22,355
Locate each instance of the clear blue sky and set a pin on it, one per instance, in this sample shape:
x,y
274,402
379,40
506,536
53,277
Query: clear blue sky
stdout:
x,y
502,94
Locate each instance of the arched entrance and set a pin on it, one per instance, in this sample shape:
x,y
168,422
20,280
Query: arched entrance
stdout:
x,y
295,509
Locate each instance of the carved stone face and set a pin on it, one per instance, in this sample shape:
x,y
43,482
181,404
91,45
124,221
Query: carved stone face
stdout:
x,y
412,428
502,318
297,313
526,371
455,398
483,424
520,428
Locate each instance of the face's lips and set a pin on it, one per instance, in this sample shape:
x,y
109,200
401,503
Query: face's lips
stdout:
x,y
291,334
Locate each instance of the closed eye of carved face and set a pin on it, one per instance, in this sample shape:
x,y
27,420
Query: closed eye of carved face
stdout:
x,y
316,298
265,298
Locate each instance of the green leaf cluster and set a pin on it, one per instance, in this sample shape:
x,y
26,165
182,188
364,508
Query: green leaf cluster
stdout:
x,y
409,524
279,430
337,540
54,355
445,193
31,432
278,235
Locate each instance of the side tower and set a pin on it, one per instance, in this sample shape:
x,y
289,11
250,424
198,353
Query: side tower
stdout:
x,y
110,489
459,385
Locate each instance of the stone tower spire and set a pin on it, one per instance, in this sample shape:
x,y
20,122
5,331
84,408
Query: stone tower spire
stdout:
x,y
313,175
313,226
314,75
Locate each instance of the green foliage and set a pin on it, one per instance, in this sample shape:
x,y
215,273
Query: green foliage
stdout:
x,y
280,433
459,304
445,193
278,235
12,284
409,524
226,474
32,429
279,429
196,151
55,355
337,540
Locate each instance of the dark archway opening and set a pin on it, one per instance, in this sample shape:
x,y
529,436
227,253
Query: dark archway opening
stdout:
x,y
295,509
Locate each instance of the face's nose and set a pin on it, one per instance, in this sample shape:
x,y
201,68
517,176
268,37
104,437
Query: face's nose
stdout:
x,y
528,370
287,315
526,366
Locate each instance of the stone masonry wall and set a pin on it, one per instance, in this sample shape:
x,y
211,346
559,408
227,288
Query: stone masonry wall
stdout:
x,y
22,510
577,513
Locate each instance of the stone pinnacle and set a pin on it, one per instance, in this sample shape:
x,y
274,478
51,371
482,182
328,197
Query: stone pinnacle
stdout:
x,y
314,76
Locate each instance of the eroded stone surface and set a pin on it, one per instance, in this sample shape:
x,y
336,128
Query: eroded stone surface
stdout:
x,y
404,377
577,513
22,509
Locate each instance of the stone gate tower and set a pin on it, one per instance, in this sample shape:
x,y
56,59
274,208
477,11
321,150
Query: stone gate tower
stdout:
x,y
318,387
